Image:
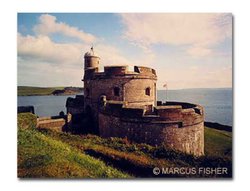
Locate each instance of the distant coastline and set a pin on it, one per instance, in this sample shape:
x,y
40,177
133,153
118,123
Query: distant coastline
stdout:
x,y
70,90
45,91
217,102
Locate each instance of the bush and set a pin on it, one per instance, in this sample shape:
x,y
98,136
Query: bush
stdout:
x,y
26,121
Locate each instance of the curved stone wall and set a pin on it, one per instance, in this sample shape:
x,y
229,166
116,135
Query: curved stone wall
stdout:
x,y
140,92
137,88
91,62
177,126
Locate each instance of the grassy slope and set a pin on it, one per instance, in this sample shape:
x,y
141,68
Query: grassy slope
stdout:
x,y
28,90
218,143
52,154
42,156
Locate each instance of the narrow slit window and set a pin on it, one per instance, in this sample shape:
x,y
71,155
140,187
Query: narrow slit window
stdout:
x,y
147,91
117,91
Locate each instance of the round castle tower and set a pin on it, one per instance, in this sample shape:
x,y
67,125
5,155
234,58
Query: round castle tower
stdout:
x,y
91,60
122,103
135,88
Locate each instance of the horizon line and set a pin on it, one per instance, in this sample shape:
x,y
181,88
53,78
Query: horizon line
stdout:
x,y
157,89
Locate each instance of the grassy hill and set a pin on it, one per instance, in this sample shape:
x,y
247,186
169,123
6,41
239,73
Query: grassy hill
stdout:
x,y
47,153
42,156
218,143
34,91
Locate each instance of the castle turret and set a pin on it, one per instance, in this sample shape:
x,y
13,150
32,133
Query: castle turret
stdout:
x,y
91,60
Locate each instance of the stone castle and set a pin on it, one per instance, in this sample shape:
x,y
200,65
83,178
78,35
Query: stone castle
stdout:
x,y
122,103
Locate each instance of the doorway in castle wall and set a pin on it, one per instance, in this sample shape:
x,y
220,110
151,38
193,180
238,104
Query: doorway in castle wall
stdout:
x,y
90,125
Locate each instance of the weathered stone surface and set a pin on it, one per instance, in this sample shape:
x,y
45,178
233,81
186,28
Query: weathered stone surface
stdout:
x,y
183,132
52,124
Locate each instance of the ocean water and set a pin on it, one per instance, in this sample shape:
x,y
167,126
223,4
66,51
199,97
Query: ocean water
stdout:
x,y
217,102
45,105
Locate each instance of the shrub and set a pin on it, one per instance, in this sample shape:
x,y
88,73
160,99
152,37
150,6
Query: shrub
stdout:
x,y
26,121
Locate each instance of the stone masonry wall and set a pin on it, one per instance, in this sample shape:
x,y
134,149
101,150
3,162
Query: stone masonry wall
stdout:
x,y
135,92
189,139
132,91
177,128
52,124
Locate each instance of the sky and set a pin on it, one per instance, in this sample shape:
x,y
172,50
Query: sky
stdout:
x,y
187,50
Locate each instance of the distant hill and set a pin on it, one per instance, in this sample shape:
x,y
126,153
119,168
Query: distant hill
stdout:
x,y
39,91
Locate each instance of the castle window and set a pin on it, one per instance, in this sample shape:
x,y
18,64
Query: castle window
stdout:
x,y
117,91
147,91
102,100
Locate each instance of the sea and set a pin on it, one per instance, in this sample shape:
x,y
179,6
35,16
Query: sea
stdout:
x,y
218,103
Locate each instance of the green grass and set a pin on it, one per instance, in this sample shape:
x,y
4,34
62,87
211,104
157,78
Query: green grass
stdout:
x,y
32,91
218,143
42,156
26,121
46,153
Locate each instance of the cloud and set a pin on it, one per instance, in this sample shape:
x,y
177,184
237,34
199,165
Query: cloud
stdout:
x,y
43,62
110,55
198,76
42,48
198,32
48,25
45,74
199,51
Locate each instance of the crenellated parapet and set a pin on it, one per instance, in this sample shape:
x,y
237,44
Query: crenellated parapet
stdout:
x,y
115,70
112,72
187,113
75,105
182,113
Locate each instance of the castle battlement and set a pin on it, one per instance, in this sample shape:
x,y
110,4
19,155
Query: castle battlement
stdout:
x,y
144,70
185,114
115,70
177,125
139,72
